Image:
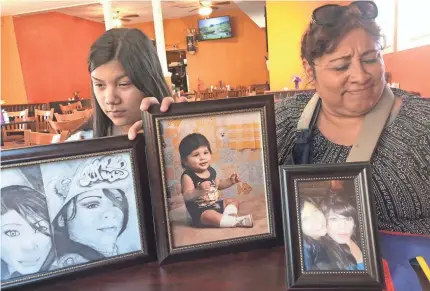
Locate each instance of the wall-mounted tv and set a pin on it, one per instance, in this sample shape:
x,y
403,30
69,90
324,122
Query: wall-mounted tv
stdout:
x,y
215,28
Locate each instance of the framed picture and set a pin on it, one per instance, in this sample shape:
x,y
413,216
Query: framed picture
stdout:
x,y
330,228
214,176
73,206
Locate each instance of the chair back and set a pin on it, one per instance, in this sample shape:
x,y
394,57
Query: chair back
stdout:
x,y
238,92
220,94
42,117
68,109
202,96
69,126
39,138
18,115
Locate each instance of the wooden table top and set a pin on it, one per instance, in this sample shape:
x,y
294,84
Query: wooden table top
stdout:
x,y
257,270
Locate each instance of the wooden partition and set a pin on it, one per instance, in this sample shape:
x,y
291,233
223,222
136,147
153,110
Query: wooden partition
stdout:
x,y
30,106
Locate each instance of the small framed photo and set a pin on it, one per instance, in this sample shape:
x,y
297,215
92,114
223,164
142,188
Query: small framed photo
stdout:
x,y
330,227
73,206
213,176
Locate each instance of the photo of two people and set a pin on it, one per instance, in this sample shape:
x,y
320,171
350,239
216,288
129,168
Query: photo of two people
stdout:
x,y
331,237
215,176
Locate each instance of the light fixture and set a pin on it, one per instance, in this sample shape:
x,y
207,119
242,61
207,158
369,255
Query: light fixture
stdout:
x,y
116,22
205,11
205,3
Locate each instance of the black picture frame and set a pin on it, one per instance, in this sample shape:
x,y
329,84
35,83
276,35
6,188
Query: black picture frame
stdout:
x,y
138,224
264,106
298,180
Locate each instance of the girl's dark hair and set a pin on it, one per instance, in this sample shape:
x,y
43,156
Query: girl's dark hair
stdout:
x,y
65,245
336,203
323,39
137,55
190,143
27,202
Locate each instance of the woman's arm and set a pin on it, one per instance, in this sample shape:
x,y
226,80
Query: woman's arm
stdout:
x,y
190,193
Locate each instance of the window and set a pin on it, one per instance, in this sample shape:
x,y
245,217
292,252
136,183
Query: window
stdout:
x,y
405,24
413,29
387,21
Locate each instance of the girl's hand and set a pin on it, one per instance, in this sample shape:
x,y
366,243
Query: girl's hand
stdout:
x,y
146,103
234,178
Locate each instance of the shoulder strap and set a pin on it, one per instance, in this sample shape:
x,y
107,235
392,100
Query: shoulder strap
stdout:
x,y
374,122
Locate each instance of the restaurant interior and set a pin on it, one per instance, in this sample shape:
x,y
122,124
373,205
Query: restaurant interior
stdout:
x,y
46,89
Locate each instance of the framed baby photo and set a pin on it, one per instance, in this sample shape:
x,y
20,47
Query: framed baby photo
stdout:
x,y
74,206
330,228
213,176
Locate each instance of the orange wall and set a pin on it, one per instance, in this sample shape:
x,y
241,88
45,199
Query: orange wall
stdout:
x,y
53,49
12,82
411,68
235,61
286,24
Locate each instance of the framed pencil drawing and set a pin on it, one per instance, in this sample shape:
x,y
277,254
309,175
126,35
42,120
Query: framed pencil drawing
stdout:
x,y
330,227
73,206
214,176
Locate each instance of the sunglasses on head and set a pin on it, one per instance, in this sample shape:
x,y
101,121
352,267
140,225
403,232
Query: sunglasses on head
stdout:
x,y
329,14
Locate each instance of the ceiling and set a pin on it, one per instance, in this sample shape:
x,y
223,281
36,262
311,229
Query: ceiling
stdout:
x,y
93,10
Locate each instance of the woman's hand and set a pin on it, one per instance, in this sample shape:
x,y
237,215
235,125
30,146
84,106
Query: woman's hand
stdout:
x,y
144,106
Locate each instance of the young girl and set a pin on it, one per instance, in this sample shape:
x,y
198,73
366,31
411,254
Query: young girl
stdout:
x,y
124,69
91,210
200,187
26,238
340,216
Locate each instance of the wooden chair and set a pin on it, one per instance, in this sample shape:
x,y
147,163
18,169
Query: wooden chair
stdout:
x,y
69,126
83,113
16,128
220,94
259,88
69,117
39,138
42,117
68,109
202,96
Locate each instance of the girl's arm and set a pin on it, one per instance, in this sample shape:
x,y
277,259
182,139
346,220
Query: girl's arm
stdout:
x,y
227,183
190,193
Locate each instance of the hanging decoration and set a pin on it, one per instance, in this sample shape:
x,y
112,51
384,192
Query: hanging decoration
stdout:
x,y
191,41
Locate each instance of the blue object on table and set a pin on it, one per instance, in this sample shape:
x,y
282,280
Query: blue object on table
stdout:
x,y
397,250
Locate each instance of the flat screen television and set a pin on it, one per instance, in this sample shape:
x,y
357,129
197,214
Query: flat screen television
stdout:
x,y
215,28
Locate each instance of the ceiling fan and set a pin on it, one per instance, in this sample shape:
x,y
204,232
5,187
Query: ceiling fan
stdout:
x,y
205,7
118,16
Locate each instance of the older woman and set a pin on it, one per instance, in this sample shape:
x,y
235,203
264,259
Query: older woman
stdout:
x,y
341,53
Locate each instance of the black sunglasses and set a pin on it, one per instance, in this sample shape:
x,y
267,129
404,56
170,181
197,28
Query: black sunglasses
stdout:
x,y
329,14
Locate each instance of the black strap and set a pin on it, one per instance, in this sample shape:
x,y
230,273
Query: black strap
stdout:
x,y
302,150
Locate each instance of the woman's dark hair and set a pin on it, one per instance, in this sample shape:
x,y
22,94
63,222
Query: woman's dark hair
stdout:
x,y
336,203
65,245
27,202
323,39
190,143
137,55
